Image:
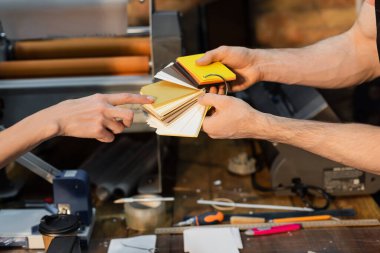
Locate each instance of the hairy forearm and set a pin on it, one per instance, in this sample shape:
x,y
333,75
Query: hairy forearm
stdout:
x,y
354,145
24,136
344,60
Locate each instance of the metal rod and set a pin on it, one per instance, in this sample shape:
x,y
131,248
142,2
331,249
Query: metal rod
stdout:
x,y
37,165
130,200
242,205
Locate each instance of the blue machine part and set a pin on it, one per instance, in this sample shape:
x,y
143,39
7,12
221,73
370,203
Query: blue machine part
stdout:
x,y
72,188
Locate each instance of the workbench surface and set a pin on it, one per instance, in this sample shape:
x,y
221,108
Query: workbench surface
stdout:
x,y
203,161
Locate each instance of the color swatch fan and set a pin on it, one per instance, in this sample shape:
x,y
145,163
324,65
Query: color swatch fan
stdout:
x,y
176,111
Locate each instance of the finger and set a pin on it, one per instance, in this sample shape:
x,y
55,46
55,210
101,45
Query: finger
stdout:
x,y
205,125
114,126
128,98
128,121
212,99
221,90
119,113
106,136
214,55
213,90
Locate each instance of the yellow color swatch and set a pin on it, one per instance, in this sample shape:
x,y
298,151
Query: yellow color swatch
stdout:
x,y
199,73
166,92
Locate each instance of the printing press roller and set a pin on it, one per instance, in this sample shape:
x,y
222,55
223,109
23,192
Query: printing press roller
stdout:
x,y
76,57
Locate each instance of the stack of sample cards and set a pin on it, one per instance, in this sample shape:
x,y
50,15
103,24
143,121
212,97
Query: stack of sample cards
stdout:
x,y
176,111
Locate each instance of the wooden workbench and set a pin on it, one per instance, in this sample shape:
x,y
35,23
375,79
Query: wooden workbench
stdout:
x,y
203,161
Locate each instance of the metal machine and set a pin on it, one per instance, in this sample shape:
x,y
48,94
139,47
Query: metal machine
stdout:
x,y
289,165
49,21
71,191
23,96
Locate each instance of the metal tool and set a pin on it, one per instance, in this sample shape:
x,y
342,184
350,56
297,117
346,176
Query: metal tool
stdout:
x,y
130,200
275,215
150,250
306,224
245,205
208,218
71,189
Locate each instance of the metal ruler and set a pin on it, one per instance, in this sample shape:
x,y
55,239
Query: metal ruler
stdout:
x,y
306,224
37,165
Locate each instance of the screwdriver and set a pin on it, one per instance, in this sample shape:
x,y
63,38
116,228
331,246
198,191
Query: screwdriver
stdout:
x,y
208,218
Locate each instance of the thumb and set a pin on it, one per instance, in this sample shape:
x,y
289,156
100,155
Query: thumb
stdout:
x,y
214,55
214,100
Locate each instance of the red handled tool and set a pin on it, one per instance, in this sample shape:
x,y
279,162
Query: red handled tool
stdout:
x,y
208,218
273,229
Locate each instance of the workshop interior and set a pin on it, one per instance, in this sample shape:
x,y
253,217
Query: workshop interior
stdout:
x,y
131,195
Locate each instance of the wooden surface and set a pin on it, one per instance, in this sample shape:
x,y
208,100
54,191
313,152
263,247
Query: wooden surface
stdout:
x,y
203,161
316,240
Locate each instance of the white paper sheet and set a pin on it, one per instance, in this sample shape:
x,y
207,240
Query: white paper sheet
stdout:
x,y
210,240
186,125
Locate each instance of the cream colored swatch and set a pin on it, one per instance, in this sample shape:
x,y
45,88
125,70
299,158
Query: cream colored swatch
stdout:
x,y
176,111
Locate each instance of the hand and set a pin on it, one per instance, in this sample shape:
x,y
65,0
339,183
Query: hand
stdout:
x,y
240,59
95,116
232,119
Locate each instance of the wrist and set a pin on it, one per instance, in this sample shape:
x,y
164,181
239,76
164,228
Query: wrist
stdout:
x,y
45,126
273,65
262,64
266,127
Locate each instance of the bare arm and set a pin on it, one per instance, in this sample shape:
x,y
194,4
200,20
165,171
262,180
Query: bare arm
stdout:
x,y
354,145
344,60
340,61
89,117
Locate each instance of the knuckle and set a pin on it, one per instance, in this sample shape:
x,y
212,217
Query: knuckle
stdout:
x,y
223,48
99,131
98,96
128,115
99,122
100,107
128,95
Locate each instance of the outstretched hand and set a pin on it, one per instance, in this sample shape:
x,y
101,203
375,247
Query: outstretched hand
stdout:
x,y
95,116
